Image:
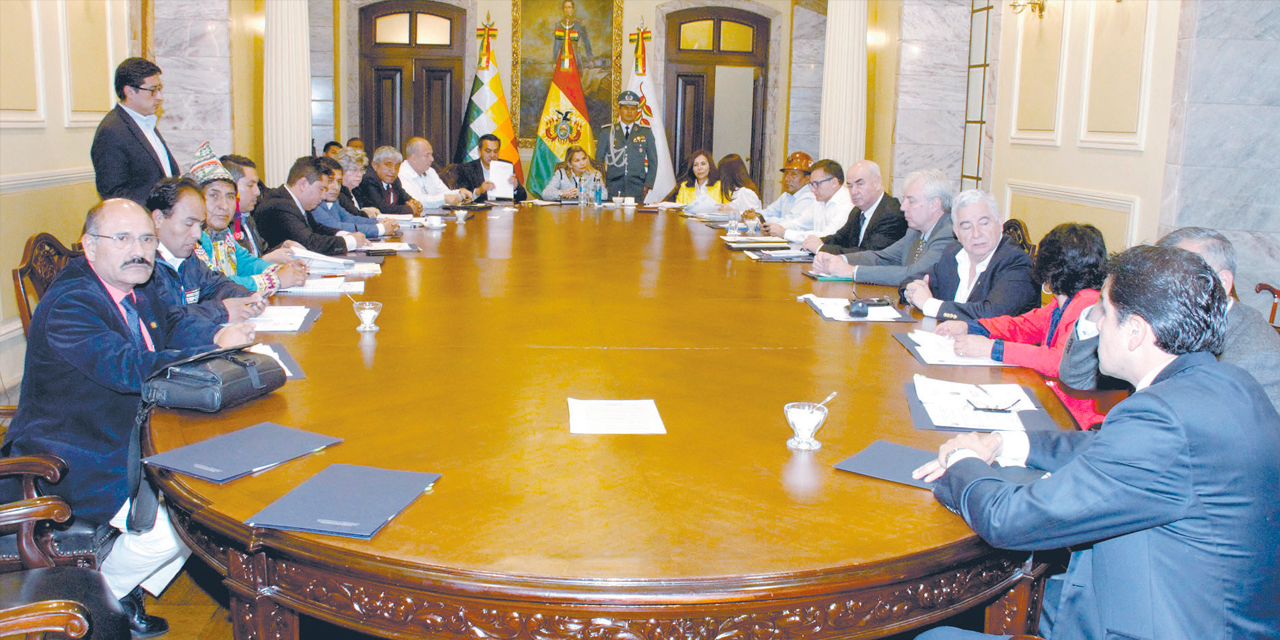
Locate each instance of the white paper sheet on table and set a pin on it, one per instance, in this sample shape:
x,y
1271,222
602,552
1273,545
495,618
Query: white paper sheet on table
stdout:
x,y
500,172
837,309
318,262
366,268
280,318
955,404
704,207
266,350
544,203
615,417
936,349
398,217
394,246
336,286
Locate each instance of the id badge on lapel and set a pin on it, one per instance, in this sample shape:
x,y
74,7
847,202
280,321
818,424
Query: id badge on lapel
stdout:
x,y
192,295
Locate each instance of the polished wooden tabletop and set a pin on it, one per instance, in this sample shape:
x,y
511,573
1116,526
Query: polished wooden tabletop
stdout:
x,y
490,328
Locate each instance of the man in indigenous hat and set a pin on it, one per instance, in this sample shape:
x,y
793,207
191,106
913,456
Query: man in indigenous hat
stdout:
x,y
220,251
797,195
627,151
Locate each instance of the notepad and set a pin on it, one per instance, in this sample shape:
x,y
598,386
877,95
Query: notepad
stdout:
x,y
326,286
931,348
224,458
615,417
889,461
345,500
280,318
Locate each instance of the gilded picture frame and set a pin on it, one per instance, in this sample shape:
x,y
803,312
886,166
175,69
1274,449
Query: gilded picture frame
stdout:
x,y
533,23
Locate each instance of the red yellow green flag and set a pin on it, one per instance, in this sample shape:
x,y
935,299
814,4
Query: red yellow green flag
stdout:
x,y
564,116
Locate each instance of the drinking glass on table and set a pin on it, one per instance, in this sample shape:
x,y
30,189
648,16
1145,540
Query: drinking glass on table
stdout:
x,y
367,312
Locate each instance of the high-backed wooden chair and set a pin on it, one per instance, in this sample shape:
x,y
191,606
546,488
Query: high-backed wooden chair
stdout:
x,y
1016,231
42,597
1275,300
42,260
33,545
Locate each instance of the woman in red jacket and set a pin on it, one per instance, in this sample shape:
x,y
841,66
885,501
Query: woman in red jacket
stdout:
x,y
1070,263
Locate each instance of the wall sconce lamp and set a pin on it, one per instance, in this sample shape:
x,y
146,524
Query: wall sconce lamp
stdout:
x,y
1037,6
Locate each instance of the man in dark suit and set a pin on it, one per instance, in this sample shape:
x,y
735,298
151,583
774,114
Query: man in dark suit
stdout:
x,y
1170,508
627,151
982,277
128,154
876,220
381,188
283,214
97,333
926,205
474,175
244,228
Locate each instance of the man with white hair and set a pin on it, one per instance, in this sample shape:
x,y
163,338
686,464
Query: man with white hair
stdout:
x,y
982,277
420,179
926,204
382,189
876,220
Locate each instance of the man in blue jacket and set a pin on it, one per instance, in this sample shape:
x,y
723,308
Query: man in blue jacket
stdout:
x,y
1169,509
98,332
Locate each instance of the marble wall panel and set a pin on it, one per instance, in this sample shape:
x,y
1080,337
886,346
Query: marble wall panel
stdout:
x,y
804,98
1227,198
184,142
929,126
197,111
322,135
808,48
808,75
322,63
1232,136
933,58
931,92
914,157
322,38
1254,66
1257,253
807,52
322,89
193,38
191,9
932,80
1242,19
321,114
195,75
936,22
1169,196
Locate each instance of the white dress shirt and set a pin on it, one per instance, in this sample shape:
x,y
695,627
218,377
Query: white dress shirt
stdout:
x,y
427,188
822,219
744,199
148,126
866,218
790,205
933,305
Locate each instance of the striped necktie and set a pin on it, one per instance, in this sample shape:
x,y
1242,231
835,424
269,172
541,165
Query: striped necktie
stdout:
x,y
917,250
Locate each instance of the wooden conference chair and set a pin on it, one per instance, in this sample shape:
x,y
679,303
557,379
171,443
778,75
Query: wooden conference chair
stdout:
x,y
34,544
1275,300
42,260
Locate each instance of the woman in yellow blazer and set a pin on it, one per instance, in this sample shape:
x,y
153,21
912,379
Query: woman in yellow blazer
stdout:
x,y
699,176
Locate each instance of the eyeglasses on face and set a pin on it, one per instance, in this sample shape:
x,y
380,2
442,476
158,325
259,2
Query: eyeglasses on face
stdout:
x,y
818,182
153,90
126,240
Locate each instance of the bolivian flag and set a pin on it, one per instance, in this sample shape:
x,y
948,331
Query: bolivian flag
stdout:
x,y
487,110
564,117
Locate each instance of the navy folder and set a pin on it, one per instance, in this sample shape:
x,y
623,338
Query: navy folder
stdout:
x,y
889,461
240,453
345,500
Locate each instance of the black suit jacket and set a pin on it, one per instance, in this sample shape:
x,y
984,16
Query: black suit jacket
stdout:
x,y
372,192
471,176
83,380
887,226
124,163
1004,289
280,219
347,201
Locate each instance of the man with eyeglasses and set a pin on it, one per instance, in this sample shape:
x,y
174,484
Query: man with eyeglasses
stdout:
x,y
98,332
828,215
129,156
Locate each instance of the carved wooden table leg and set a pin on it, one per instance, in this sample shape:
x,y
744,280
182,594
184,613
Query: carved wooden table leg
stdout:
x,y
1018,610
254,615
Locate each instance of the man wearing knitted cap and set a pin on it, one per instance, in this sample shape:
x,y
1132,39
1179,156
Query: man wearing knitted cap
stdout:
x,y
627,150
219,250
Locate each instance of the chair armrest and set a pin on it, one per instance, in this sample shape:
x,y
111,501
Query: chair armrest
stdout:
x,y
55,616
34,510
49,468
7,411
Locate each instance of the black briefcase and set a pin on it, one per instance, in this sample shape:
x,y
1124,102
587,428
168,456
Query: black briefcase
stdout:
x,y
214,380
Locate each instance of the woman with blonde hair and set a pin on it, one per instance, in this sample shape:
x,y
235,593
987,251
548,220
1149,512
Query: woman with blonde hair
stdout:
x,y
576,177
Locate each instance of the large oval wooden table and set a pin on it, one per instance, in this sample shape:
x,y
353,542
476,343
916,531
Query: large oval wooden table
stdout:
x,y
714,530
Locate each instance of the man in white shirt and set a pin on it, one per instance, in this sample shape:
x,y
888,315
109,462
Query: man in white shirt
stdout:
x,y
420,179
827,215
984,277
128,154
797,195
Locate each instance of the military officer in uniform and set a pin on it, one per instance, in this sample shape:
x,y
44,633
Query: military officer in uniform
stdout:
x,y
627,151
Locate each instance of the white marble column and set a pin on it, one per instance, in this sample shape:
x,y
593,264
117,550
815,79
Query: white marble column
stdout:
x,y
844,83
286,105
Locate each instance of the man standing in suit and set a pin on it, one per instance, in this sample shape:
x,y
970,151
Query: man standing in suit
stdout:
x,y
926,205
128,154
876,221
983,277
1170,507
283,214
627,151
382,189
97,333
474,176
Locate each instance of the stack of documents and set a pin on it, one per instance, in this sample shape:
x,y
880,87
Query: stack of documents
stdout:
x,y
322,265
615,416
837,309
932,348
326,286
764,252
398,217
388,246
971,407
233,455
345,500
280,318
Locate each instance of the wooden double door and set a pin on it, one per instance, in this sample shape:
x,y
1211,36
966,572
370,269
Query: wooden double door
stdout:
x,y
411,74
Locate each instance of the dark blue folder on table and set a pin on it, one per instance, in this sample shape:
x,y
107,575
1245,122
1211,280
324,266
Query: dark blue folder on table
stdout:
x,y
345,500
888,461
240,453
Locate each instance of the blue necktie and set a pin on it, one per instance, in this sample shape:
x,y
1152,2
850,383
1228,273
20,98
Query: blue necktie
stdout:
x,y
131,319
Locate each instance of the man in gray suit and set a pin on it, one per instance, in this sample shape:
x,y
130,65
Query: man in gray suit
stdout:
x,y
926,203
1250,344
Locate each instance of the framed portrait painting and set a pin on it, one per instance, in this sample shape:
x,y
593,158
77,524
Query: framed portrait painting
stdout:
x,y
535,49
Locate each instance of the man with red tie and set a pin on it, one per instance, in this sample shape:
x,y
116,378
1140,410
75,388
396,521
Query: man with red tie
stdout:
x,y
381,189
